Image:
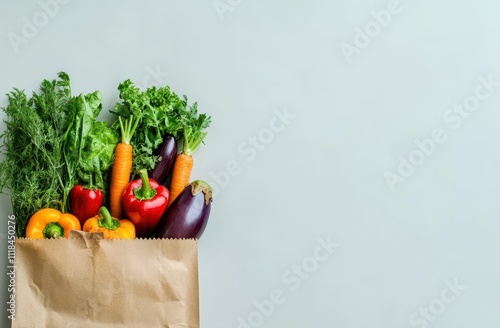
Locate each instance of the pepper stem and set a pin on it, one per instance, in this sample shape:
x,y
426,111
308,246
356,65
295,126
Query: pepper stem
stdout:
x,y
107,221
53,230
145,192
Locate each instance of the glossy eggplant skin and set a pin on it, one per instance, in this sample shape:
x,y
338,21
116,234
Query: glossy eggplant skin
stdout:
x,y
168,152
187,216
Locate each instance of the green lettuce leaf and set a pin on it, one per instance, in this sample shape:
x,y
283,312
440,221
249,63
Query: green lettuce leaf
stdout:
x,y
98,155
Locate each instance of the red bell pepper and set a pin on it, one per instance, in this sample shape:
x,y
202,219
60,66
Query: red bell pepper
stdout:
x,y
85,202
144,202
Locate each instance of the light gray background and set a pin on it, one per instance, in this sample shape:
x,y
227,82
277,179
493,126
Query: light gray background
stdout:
x,y
322,176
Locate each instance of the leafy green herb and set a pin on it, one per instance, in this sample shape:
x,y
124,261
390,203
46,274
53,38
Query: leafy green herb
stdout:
x,y
52,142
194,125
161,112
33,168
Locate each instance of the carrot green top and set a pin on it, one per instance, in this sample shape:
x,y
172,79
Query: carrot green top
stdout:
x,y
194,125
128,128
161,112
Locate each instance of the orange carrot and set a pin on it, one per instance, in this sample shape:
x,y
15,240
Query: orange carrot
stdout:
x,y
193,136
180,176
122,167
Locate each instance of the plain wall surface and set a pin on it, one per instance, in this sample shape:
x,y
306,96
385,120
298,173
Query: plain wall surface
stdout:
x,y
353,146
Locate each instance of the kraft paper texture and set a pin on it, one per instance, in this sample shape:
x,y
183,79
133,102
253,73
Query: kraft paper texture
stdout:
x,y
88,281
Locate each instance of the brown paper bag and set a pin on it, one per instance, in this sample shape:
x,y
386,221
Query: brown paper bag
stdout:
x,y
88,281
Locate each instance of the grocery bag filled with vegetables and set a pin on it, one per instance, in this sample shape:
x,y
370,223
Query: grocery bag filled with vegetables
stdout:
x,y
59,155
73,177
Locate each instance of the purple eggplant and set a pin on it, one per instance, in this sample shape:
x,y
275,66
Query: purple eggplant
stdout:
x,y
168,152
188,215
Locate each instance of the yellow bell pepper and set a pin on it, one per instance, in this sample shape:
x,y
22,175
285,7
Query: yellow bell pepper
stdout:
x,y
111,227
51,223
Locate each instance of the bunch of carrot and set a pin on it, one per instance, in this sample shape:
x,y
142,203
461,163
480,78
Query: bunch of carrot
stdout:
x,y
190,123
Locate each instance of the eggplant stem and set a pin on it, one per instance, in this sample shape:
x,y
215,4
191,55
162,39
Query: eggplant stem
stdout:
x,y
202,186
